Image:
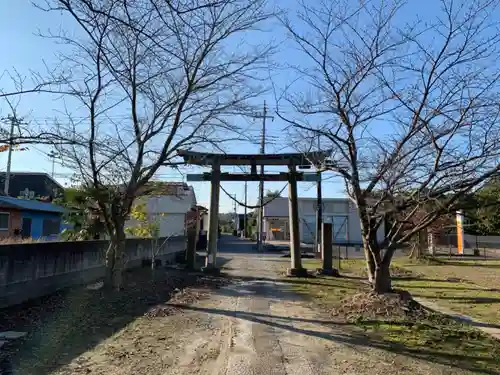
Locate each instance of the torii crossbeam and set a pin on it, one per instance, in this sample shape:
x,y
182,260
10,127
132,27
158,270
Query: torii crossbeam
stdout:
x,y
297,159
291,160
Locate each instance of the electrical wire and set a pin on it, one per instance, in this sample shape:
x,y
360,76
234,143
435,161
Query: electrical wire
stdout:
x,y
253,207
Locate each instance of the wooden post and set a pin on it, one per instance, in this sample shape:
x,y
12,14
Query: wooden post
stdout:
x,y
296,261
327,251
431,243
191,248
327,246
213,224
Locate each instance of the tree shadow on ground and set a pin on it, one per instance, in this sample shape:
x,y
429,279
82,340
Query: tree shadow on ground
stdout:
x,y
458,287
471,300
425,279
64,325
294,281
465,262
358,338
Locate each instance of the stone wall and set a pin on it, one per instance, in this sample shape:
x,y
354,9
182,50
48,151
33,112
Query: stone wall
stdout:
x,y
35,269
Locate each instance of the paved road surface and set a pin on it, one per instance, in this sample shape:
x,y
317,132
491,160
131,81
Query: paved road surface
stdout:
x,y
253,327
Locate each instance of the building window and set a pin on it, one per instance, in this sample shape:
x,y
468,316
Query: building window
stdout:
x,y
51,226
4,220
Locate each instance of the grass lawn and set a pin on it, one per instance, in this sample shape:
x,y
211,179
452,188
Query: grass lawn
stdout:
x,y
470,287
432,337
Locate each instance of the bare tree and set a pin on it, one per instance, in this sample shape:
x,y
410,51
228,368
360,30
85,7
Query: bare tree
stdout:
x,y
150,78
410,108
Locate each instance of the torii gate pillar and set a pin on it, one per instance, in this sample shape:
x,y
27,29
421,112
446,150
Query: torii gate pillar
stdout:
x,y
213,223
293,209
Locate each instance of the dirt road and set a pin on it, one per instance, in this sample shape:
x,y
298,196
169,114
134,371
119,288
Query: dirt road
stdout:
x,y
251,327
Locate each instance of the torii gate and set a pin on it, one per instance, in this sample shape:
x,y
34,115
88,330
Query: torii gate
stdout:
x,y
291,160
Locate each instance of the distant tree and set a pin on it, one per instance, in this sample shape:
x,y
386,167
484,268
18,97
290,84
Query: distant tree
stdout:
x,y
146,225
484,210
273,194
83,215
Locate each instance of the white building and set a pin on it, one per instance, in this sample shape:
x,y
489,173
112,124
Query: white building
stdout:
x,y
167,204
338,211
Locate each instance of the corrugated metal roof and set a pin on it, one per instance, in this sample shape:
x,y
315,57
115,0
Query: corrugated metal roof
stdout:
x,y
31,205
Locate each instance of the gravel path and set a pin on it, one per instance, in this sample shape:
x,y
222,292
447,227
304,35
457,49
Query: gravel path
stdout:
x,y
251,327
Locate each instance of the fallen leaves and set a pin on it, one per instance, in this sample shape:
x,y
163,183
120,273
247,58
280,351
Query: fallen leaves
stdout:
x,y
369,305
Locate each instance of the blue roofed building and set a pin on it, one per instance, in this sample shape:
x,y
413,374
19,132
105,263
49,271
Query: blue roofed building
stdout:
x,y
30,218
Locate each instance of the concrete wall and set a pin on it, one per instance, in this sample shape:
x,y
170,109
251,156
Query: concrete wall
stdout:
x,y
32,270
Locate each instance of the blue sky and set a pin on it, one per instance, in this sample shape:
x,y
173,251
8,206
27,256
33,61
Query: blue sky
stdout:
x,y
22,49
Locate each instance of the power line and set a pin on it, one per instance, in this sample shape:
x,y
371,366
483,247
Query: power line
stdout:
x,y
14,121
283,108
53,155
257,206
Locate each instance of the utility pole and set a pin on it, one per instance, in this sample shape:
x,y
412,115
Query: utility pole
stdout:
x,y
261,183
319,209
13,121
235,214
260,219
260,222
245,214
53,155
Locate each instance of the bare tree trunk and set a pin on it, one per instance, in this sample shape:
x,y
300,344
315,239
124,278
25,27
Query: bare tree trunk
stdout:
x,y
119,262
379,274
372,257
419,245
115,257
370,264
412,252
415,250
153,254
382,282
110,264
